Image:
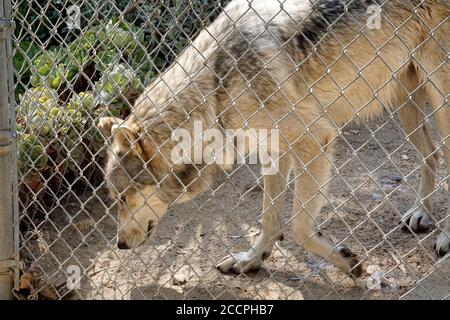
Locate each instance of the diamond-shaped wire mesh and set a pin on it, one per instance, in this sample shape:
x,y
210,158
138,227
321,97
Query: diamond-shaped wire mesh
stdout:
x,y
314,71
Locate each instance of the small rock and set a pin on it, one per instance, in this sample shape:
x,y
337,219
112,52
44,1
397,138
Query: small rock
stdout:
x,y
405,157
181,277
250,235
179,280
377,196
390,182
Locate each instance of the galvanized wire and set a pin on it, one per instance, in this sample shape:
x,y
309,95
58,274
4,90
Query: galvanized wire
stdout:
x,y
67,222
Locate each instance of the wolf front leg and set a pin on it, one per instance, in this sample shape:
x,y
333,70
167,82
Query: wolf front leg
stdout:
x,y
312,174
274,196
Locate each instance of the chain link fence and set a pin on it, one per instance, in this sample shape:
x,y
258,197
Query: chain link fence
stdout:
x,y
311,73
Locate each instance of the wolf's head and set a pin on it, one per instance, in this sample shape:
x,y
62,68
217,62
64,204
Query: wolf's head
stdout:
x,y
143,180
130,175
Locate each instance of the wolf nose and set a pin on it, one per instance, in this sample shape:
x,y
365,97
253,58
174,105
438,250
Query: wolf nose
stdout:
x,y
122,245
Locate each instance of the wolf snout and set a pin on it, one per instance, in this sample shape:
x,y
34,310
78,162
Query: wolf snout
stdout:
x,y
122,245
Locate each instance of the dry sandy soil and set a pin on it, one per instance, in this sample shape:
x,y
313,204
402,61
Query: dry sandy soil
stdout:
x,y
366,201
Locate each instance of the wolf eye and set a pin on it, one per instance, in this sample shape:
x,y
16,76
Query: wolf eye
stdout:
x,y
123,199
150,226
119,154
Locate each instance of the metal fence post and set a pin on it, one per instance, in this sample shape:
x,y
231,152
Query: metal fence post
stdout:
x,y
6,155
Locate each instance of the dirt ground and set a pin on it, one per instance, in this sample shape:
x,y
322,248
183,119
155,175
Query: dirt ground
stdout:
x,y
366,200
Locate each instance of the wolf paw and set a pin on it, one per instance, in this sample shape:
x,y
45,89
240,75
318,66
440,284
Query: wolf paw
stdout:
x,y
442,245
243,262
352,265
417,219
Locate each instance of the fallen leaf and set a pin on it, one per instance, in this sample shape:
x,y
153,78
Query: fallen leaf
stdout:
x,y
26,282
48,293
398,262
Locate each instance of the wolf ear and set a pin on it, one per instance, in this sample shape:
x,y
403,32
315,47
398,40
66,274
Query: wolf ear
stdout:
x,y
105,125
126,138
123,135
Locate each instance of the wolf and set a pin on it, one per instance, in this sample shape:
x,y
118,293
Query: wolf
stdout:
x,y
307,68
